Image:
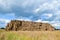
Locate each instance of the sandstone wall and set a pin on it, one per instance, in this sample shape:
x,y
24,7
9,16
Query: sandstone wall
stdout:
x,y
16,25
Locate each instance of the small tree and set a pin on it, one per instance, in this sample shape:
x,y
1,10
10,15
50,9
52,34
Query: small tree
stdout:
x,y
2,28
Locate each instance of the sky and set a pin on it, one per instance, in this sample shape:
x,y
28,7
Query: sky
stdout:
x,y
46,11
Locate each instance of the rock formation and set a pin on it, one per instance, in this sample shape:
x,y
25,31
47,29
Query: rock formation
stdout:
x,y
16,25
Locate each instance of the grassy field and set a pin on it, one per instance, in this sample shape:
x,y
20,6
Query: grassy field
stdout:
x,y
29,35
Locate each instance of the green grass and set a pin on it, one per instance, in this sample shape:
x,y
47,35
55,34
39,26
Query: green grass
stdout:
x,y
29,35
14,36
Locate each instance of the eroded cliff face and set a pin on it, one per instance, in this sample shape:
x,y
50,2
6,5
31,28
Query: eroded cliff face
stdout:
x,y
16,25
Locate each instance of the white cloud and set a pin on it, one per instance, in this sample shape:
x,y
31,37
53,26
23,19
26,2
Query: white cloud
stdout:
x,y
36,10
53,5
4,4
4,20
40,20
56,24
25,3
48,15
58,12
57,15
23,18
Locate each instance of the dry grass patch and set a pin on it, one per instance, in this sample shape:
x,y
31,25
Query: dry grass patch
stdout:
x,y
30,35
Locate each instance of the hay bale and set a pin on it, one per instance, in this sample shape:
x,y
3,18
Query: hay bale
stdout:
x,y
16,25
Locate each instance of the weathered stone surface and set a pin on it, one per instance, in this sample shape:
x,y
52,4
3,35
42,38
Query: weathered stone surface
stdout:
x,y
16,25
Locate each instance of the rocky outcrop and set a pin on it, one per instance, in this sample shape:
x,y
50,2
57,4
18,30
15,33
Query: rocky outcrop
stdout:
x,y
16,25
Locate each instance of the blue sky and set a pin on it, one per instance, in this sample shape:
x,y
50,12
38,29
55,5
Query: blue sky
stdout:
x,y
47,11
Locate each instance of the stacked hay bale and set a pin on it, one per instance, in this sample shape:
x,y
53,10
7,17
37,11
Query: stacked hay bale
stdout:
x,y
16,25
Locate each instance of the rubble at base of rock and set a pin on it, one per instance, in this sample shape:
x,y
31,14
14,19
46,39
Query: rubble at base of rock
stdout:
x,y
16,25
